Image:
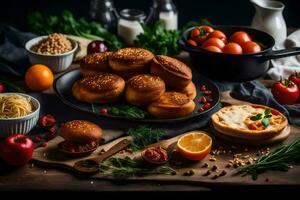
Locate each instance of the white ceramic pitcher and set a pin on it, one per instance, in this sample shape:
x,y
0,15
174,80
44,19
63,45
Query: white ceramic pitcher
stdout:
x,y
269,18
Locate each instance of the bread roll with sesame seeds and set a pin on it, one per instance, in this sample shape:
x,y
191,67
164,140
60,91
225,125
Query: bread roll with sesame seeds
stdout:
x,y
80,131
128,62
172,105
100,88
143,89
189,90
95,63
175,73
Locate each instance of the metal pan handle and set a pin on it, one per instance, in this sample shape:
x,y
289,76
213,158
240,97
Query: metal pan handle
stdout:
x,y
282,53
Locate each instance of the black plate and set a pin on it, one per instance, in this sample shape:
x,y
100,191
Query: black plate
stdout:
x,y
63,88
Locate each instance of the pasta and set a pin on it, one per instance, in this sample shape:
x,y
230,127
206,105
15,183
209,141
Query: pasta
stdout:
x,y
13,106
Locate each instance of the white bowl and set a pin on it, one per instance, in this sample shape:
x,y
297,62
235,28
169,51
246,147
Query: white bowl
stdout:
x,y
21,125
56,62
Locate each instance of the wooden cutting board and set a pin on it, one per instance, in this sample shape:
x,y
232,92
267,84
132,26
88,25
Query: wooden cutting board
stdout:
x,y
51,157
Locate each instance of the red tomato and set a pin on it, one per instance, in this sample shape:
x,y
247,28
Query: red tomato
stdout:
x,y
233,48
213,42
213,49
218,34
201,33
17,150
191,42
240,37
295,78
285,92
2,88
250,47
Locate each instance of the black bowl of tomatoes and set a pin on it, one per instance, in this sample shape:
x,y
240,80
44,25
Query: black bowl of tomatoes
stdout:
x,y
231,53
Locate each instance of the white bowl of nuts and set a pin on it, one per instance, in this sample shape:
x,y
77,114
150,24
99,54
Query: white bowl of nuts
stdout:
x,y
55,51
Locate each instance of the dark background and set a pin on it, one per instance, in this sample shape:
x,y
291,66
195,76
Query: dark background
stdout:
x,y
230,12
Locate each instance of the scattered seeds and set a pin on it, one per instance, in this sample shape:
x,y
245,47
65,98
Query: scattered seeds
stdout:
x,y
223,173
189,173
215,176
207,173
214,168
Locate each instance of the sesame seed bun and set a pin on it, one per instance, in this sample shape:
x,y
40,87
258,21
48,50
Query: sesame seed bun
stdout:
x,y
100,88
172,105
175,73
128,62
95,63
189,90
80,131
143,89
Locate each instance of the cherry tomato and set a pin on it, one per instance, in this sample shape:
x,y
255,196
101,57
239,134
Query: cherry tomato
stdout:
x,y
250,47
191,42
213,42
218,34
201,33
240,37
295,78
233,48
213,49
285,92
2,88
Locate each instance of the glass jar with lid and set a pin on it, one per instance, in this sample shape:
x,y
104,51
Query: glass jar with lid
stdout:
x,y
129,24
165,11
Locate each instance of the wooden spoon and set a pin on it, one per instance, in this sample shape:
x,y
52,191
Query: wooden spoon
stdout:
x,y
91,165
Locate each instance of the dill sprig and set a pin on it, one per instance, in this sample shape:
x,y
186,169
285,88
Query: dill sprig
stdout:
x,y
126,167
144,136
127,111
279,159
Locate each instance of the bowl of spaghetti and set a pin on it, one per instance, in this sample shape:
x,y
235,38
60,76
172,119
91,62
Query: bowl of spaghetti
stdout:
x,y
19,113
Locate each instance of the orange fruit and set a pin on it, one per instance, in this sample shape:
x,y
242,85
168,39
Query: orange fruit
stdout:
x,y
195,145
39,77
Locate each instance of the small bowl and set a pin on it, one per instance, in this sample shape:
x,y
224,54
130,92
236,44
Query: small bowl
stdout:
x,y
57,62
20,125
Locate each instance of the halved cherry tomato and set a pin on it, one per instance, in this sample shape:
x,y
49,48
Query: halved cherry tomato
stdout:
x,y
191,42
232,48
218,34
250,47
213,42
240,37
201,33
285,92
213,49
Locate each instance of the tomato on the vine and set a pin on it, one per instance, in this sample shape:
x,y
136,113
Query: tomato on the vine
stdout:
x,y
285,92
201,33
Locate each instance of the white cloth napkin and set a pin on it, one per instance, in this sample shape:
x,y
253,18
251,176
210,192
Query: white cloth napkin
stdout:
x,y
283,67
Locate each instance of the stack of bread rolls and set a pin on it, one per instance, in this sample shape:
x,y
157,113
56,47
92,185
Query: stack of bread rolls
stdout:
x,y
160,83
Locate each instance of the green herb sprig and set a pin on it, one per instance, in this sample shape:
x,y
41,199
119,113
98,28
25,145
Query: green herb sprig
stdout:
x,y
66,23
279,159
144,136
10,86
126,167
128,111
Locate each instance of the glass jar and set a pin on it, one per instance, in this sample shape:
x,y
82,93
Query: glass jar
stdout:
x,y
165,11
104,12
129,25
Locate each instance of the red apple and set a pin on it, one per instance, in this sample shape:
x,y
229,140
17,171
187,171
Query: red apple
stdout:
x,y
17,149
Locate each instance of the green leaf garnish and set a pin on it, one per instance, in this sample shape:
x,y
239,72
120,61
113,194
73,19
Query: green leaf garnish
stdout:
x,y
267,111
256,117
267,116
265,122
128,111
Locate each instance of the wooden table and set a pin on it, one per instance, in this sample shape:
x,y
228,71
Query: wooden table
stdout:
x,y
33,178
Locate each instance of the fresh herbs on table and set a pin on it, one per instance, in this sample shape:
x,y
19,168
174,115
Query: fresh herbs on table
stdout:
x,y
158,40
127,111
279,159
123,110
66,23
144,136
263,117
125,167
